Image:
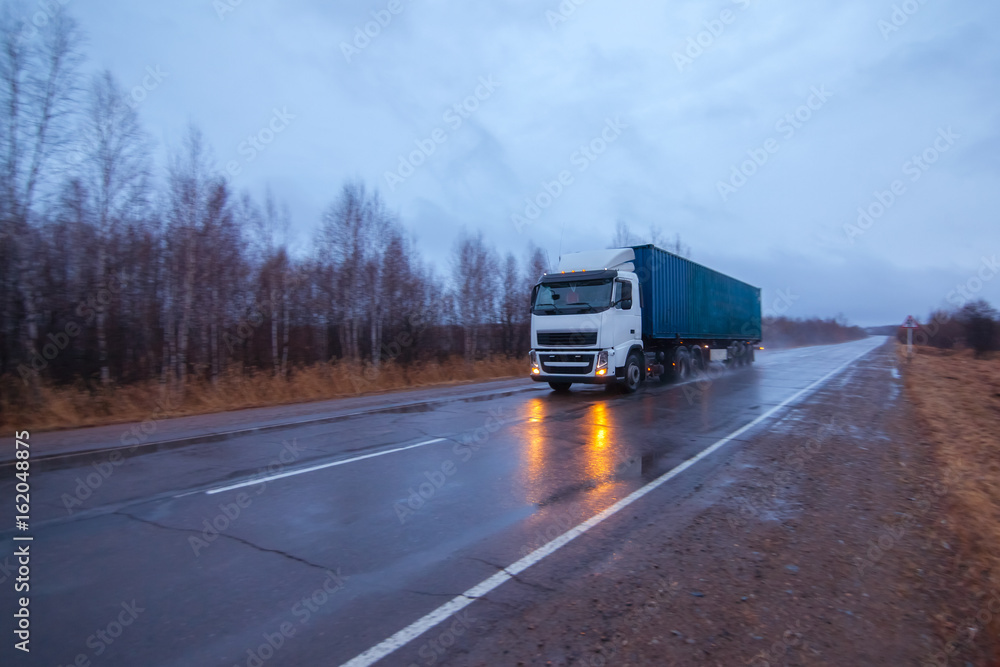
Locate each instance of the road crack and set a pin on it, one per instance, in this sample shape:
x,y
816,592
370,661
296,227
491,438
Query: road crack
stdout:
x,y
227,536
438,595
513,576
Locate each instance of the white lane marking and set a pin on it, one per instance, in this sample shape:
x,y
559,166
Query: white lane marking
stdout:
x,y
442,613
261,480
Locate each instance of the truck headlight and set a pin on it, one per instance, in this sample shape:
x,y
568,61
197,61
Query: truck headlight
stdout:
x,y
602,363
535,368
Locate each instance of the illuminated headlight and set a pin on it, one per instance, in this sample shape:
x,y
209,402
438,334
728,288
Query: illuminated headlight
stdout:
x,y
535,368
602,363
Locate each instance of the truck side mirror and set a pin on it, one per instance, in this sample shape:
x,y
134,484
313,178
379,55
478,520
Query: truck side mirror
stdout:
x,y
626,296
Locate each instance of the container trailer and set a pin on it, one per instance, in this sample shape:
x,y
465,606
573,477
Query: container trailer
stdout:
x,y
625,315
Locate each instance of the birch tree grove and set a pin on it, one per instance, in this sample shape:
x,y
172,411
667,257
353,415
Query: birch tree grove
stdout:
x,y
114,166
115,273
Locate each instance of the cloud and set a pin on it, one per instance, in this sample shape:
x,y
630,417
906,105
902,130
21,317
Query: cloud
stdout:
x,y
560,81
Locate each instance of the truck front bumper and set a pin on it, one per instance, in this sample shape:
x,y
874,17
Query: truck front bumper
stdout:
x,y
575,366
576,379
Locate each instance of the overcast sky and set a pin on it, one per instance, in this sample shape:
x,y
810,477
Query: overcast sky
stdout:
x,y
753,129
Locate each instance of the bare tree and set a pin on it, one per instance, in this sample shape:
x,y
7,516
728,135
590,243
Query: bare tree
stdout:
x,y
475,288
115,169
38,86
678,247
192,186
979,320
353,237
536,265
622,236
512,299
271,234
656,236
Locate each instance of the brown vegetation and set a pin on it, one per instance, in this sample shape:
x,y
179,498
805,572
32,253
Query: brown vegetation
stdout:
x,y
61,406
957,398
975,325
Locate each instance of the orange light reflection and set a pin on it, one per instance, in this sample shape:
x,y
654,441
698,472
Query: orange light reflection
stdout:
x,y
599,452
534,432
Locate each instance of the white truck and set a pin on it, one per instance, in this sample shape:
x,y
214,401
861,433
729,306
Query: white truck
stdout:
x,y
619,316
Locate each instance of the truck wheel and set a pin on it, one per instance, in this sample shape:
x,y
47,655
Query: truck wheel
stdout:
x,y
633,373
683,368
561,387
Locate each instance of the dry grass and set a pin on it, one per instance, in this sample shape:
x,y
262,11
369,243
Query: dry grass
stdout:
x,y
72,406
958,404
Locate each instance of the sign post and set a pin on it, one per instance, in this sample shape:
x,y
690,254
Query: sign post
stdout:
x,y
909,324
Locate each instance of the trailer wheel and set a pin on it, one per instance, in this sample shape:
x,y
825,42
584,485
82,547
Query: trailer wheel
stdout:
x,y
633,373
682,361
698,361
735,354
560,387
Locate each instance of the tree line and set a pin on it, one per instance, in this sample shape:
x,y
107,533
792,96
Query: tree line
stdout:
x,y
113,273
975,325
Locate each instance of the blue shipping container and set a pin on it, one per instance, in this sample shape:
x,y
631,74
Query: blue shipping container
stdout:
x,y
682,299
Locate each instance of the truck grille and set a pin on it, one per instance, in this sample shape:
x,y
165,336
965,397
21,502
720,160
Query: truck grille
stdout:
x,y
567,338
566,364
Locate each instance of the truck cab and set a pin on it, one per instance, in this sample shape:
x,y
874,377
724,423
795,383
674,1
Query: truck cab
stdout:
x,y
586,322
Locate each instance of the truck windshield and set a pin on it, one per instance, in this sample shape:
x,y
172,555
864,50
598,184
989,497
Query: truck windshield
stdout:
x,y
579,296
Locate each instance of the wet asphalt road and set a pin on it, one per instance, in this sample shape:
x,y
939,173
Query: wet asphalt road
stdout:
x,y
156,559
